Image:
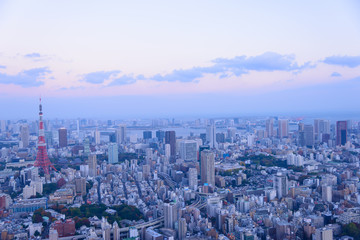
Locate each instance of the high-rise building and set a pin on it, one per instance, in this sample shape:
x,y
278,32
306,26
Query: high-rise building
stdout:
x,y
113,156
147,135
188,150
24,135
321,127
323,234
63,142
29,191
170,215
211,135
326,193
167,151
92,162
207,167
283,129
121,134
341,132
220,137
2,126
170,138
193,180
160,135
281,185
116,231
309,135
49,138
97,137
80,186
270,127
182,228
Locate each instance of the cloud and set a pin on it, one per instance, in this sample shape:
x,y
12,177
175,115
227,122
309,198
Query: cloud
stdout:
x,y
32,55
238,66
225,67
99,77
345,61
28,78
124,80
268,61
181,75
336,74
2,66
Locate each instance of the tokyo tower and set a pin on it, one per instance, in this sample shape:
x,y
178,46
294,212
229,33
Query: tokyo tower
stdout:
x,y
42,159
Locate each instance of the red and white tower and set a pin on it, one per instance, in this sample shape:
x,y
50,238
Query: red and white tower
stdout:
x,y
42,159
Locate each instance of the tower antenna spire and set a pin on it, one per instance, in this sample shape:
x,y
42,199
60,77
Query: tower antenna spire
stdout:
x,y
42,159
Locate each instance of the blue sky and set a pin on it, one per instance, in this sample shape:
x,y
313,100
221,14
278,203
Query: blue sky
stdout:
x,y
122,59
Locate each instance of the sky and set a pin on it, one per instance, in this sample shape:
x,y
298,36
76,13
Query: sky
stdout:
x,y
121,59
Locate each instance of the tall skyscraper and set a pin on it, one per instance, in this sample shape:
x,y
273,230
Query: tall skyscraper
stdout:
x,y
63,137
2,126
147,135
309,135
193,180
188,150
321,127
160,135
341,133
281,185
211,135
170,138
182,228
207,167
113,156
97,137
80,186
24,135
92,165
283,128
324,126
270,127
121,134
49,138
170,215
326,193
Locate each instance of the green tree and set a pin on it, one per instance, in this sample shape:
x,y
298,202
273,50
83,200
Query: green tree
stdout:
x,y
36,233
352,230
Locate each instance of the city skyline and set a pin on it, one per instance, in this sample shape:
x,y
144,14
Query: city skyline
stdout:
x,y
119,59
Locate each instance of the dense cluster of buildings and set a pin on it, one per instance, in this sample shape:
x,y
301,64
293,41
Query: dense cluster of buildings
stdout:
x,y
242,178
